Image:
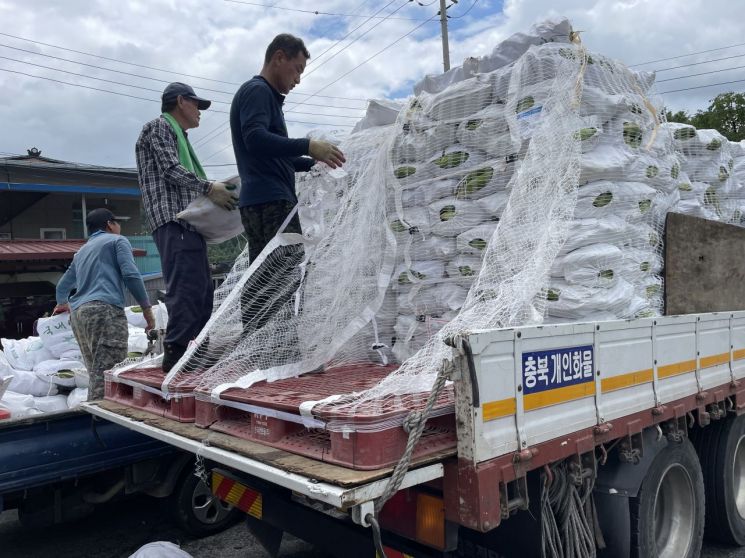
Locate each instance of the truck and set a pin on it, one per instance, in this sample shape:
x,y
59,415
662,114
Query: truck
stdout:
x,y
624,437
56,467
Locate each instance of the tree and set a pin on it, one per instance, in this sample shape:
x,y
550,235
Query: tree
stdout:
x,y
726,113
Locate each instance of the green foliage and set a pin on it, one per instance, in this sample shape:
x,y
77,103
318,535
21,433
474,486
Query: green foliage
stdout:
x,y
226,252
725,113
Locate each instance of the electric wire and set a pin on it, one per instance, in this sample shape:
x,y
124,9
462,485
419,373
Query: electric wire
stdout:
x,y
321,13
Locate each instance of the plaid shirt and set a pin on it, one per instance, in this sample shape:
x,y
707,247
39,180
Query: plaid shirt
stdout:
x,y
166,186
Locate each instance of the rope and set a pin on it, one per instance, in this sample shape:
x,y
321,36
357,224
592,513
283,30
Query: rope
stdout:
x,y
414,424
569,520
377,539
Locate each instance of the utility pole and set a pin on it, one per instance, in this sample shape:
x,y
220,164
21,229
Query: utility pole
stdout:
x,y
444,28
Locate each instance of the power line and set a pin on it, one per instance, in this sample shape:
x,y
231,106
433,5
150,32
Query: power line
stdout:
x,y
117,59
156,100
374,55
320,13
360,64
699,63
154,90
464,14
358,37
104,68
703,86
79,75
219,129
134,64
353,30
701,74
685,55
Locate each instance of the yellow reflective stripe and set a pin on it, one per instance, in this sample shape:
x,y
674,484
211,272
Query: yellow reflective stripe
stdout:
x,y
498,409
713,360
676,369
738,354
627,380
559,395
256,508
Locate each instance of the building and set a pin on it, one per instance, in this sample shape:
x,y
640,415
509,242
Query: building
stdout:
x,y
43,203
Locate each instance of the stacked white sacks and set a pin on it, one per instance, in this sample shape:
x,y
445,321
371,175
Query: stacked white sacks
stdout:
x,y
707,161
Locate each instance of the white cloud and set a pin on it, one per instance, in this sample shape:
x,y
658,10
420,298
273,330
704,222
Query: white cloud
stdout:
x,y
225,41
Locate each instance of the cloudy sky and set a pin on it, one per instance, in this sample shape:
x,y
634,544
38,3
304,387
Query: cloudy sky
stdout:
x,y
360,49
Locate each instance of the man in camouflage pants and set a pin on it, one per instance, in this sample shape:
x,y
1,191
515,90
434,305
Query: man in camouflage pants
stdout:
x,y
98,273
267,161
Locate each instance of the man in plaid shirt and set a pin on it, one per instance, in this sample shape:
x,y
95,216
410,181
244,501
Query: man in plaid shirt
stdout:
x,y
170,178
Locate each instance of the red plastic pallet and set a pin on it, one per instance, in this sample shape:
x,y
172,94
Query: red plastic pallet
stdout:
x,y
355,449
179,408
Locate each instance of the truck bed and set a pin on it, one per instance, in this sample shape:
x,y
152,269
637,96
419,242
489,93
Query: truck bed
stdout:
x,y
332,484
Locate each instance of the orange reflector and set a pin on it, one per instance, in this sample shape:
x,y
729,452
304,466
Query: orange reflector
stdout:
x,y
240,496
430,520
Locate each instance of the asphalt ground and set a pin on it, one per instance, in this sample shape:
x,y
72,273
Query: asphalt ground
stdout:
x,y
118,529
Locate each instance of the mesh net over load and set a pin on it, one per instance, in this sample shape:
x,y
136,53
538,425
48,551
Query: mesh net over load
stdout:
x,y
536,190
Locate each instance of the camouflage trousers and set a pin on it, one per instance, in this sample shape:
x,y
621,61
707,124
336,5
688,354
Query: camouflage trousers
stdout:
x,y
102,333
262,222
274,282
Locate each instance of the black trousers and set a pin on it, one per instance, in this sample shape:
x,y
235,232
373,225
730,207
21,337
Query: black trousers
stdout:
x,y
186,271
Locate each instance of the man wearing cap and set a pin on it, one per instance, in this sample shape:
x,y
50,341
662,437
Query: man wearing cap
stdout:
x,y
170,178
98,273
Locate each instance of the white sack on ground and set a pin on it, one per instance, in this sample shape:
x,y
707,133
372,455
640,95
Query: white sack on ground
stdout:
x,y
160,549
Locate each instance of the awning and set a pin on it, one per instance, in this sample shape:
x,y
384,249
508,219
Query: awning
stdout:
x,y
44,250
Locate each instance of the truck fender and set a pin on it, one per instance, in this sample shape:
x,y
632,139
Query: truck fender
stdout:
x,y
617,481
619,478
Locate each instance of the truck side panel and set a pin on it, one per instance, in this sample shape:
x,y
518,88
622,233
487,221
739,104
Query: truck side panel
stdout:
x,y
57,447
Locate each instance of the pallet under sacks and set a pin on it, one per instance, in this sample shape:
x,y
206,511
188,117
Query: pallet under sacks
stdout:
x,y
270,413
141,388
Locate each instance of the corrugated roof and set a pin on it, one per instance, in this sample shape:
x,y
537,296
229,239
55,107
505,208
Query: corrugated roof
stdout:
x,y
39,250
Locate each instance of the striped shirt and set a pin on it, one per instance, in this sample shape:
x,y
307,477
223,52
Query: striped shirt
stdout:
x,y
167,187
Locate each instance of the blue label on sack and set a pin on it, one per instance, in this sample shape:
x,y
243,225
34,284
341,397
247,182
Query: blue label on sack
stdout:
x,y
529,112
544,370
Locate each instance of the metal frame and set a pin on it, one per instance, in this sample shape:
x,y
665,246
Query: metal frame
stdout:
x,y
336,496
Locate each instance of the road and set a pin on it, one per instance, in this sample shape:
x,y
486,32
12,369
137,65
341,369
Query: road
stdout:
x,y
118,529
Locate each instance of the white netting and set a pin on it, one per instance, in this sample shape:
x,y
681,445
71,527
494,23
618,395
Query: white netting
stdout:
x,y
534,191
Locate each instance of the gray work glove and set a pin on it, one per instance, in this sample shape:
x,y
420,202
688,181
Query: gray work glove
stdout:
x,y
223,195
326,153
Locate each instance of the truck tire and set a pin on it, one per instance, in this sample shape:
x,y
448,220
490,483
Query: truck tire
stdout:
x,y
721,451
196,510
667,515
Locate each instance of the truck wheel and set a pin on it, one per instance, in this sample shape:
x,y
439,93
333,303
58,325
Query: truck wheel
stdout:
x,y
667,515
721,450
197,511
